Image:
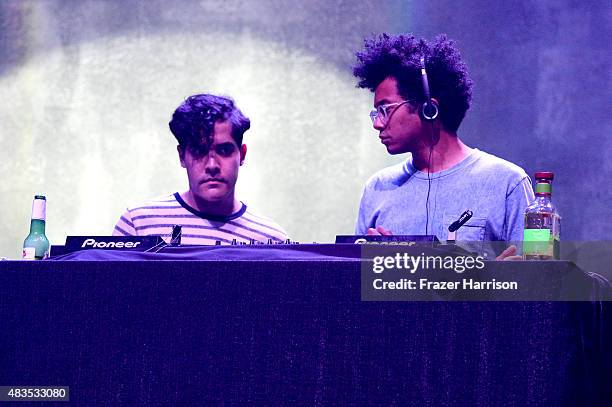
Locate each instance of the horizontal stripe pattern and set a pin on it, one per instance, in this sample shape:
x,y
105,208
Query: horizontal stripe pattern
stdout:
x,y
158,216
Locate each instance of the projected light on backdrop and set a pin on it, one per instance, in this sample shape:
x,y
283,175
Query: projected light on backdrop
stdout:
x,y
86,124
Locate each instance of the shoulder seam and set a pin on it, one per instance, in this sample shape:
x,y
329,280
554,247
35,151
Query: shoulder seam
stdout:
x,y
516,186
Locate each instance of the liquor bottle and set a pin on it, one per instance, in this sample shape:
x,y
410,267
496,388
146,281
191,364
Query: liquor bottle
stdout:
x,y
542,222
36,245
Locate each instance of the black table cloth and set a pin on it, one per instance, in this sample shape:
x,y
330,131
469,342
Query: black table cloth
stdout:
x,y
286,332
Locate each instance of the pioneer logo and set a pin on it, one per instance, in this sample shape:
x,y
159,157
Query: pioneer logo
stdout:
x,y
92,244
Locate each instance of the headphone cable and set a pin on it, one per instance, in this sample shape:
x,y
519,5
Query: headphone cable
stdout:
x,y
429,164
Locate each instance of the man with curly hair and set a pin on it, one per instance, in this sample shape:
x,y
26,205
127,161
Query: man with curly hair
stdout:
x,y
422,91
209,130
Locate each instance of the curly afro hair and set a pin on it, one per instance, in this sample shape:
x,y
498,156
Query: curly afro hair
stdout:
x,y
398,56
193,122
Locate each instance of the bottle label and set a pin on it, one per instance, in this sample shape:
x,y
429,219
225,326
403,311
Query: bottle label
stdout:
x,y
537,242
29,253
543,188
39,209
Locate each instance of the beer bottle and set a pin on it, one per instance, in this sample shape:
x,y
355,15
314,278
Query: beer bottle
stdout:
x,y
36,245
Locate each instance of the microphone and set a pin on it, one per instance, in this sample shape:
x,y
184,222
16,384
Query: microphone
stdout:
x,y
176,235
465,216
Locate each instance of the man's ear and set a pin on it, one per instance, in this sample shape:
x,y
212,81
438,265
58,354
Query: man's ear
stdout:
x,y
181,154
243,151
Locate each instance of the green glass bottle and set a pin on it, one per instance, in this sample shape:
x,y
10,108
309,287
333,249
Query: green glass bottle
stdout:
x,y
542,222
36,245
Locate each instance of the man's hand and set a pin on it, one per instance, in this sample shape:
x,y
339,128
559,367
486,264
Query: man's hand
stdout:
x,y
509,254
379,231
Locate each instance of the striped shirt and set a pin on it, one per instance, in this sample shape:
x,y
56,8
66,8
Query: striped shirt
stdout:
x,y
158,216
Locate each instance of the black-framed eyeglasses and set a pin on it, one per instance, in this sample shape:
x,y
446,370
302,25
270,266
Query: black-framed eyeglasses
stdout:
x,y
384,111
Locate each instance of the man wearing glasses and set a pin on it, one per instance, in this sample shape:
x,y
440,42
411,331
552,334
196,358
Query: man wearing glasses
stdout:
x,y
209,130
421,94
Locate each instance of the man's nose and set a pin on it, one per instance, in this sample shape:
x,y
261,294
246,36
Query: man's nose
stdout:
x,y
379,124
212,163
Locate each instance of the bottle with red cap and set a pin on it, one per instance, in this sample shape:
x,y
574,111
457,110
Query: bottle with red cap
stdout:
x,y
542,222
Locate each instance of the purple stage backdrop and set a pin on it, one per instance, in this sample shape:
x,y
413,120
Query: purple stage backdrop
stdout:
x,y
88,87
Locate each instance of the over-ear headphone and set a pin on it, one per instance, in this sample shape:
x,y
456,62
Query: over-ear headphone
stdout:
x,y
429,110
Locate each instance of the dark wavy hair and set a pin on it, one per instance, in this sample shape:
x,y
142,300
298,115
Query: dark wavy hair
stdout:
x,y
193,122
399,56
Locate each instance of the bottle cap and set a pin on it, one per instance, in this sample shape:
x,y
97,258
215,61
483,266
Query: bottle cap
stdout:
x,y
546,175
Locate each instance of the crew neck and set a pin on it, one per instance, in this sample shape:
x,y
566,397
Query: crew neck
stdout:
x,y
468,160
207,216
